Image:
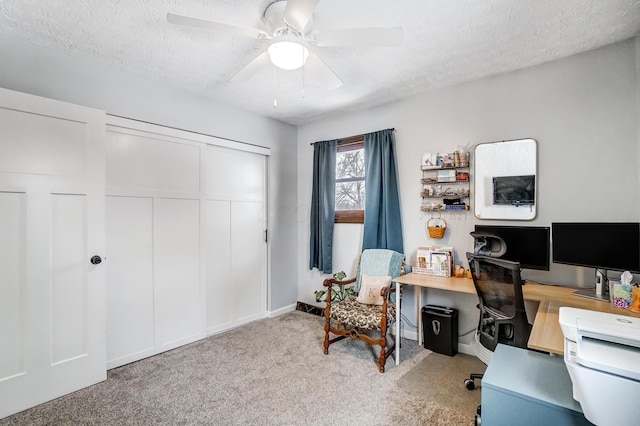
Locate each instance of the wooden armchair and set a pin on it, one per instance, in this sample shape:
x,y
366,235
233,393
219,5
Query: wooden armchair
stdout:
x,y
373,307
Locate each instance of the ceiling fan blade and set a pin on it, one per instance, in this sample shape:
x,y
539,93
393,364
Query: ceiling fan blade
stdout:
x,y
323,74
215,26
359,37
298,12
245,74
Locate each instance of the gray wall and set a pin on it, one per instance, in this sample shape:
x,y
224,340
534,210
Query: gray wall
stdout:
x,y
56,75
581,110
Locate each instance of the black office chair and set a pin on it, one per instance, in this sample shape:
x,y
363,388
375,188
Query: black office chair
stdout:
x,y
503,318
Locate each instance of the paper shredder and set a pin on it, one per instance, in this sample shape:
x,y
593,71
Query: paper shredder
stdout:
x,y
440,329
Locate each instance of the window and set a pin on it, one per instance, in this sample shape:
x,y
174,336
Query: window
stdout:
x,y
350,175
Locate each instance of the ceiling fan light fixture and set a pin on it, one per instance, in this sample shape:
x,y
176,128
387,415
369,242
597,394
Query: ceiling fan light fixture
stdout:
x,y
288,55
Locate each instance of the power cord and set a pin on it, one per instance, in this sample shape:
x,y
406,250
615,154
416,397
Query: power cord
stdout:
x,y
464,334
408,322
405,319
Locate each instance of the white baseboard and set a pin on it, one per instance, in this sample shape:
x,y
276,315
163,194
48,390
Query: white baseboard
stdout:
x,y
465,348
409,334
281,311
114,363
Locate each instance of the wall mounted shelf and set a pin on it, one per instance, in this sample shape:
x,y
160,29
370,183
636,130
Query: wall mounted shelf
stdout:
x,y
445,189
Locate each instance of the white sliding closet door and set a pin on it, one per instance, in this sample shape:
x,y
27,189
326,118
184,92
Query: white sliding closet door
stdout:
x,y
235,226
130,290
247,261
235,237
180,250
179,294
220,311
155,291
52,302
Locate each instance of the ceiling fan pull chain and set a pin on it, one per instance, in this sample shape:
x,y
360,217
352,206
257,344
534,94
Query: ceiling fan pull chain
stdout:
x,y
303,73
275,86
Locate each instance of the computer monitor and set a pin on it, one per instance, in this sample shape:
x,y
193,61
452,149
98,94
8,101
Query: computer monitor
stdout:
x,y
611,246
528,245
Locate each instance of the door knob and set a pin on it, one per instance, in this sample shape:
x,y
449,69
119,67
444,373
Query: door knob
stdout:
x,y
96,260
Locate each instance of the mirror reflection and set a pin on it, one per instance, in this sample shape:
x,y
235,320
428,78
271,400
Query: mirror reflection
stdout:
x,y
505,180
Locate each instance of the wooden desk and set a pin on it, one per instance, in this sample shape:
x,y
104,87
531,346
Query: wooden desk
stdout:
x,y
546,334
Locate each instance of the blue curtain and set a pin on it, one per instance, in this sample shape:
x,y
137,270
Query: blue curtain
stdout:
x,y
323,206
382,220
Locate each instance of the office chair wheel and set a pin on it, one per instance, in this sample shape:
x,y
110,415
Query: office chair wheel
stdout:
x,y
469,384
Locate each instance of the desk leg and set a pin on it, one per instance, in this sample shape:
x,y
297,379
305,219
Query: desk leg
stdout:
x,y
398,318
418,296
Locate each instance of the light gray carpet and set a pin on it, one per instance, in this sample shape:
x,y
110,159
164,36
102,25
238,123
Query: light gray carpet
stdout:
x,y
270,372
440,379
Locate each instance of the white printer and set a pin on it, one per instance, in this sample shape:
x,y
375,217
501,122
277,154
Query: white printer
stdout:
x,y
602,355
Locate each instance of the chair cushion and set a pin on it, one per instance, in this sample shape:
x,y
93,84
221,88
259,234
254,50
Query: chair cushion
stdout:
x,y
370,289
356,314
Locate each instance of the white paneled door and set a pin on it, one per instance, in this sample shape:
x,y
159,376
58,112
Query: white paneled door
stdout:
x,y
52,298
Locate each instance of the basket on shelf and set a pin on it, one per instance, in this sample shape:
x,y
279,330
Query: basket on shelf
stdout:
x,y
436,227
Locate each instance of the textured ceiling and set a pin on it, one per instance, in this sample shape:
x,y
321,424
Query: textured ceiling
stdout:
x,y
445,42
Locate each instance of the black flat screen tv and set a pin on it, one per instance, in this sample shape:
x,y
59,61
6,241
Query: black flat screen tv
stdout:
x,y
528,245
514,190
608,246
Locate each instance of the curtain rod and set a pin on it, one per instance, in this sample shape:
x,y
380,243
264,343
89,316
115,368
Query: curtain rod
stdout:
x,y
354,136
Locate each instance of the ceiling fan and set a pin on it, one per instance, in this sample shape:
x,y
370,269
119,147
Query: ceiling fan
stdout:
x,y
288,27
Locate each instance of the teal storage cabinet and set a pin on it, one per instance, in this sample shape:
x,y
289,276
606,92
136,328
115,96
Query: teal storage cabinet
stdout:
x,y
522,387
